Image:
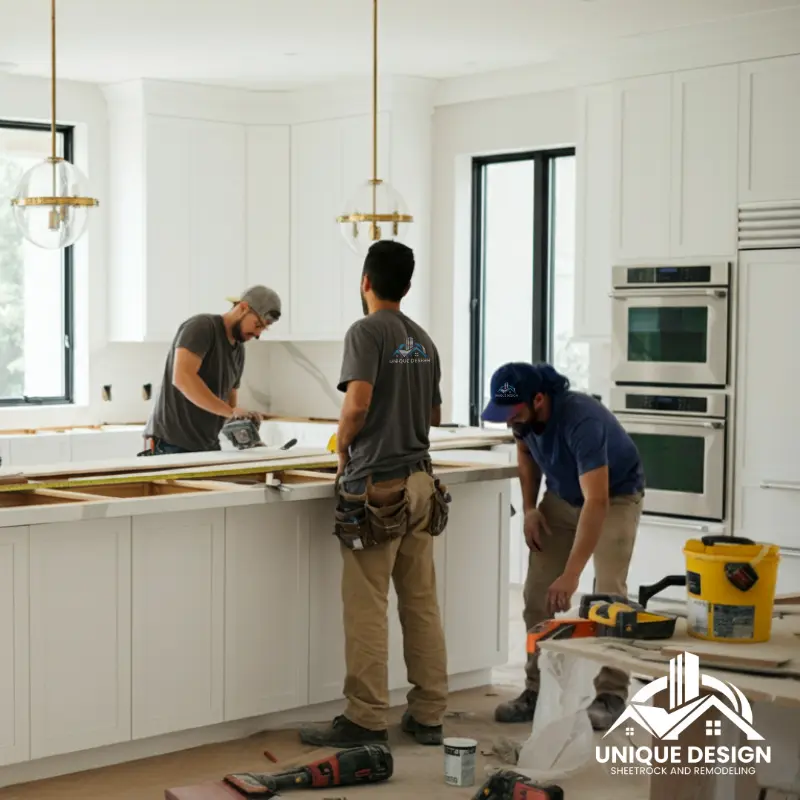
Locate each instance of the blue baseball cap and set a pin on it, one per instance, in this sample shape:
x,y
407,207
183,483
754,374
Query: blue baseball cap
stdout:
x,y
513,385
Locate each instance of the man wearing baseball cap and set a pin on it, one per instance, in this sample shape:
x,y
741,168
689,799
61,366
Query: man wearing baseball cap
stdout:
x,y
203,371
590,509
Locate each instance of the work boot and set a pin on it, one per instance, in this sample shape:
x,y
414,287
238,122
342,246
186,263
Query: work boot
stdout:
x,y
341,733
424,734
520,709
605,710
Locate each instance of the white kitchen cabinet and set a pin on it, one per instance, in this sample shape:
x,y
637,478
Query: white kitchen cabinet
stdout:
x,y
675,166
80,635
769,159
642,145
14,644
178,617
789,572
268,179
267,609
767,482
476,576
595,191
705,136
330,160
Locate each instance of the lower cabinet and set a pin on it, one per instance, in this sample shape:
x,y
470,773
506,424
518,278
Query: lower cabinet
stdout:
x,y
177,636
14,647
80,635
266,608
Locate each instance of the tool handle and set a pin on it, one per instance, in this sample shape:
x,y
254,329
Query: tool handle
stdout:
x,y
709,541
588,600
648,592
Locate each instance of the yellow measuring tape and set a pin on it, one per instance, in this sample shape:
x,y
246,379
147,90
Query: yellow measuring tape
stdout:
x,y
105,480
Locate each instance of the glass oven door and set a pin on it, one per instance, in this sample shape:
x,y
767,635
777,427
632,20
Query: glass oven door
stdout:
x,y
672,336
684,464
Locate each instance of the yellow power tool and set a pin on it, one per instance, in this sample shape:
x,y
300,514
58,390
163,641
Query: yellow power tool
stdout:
x,y
617,617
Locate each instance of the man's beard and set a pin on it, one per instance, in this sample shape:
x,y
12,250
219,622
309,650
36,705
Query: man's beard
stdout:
x,y
236,331
364,305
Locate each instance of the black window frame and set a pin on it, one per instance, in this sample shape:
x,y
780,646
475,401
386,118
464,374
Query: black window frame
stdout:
x,y
68,398
542,329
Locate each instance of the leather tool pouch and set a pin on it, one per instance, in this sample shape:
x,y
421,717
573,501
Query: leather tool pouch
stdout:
x,y
440,509
350,524
360,524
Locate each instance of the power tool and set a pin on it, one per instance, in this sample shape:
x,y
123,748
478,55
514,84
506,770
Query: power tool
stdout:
x,y
509,785
369,763
615,616
561,628
242,433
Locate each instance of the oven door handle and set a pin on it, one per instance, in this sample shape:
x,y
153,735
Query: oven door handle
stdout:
x,y
628,294
675,422
689,526
783,485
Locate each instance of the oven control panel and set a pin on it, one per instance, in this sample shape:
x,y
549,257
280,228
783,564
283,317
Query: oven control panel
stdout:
x,y
669,275
666,402
642,276
683,402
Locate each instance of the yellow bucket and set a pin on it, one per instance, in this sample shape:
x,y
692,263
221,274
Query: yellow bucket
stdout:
x,y
730,582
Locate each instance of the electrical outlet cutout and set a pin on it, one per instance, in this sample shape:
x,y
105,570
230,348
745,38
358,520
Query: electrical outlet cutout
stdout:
x,y
147,390
107,392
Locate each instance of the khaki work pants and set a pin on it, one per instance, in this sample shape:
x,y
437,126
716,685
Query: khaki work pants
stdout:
x,y
408,561
612,559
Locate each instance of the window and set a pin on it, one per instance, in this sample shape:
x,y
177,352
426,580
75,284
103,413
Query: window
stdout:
x,y
523,268
36,364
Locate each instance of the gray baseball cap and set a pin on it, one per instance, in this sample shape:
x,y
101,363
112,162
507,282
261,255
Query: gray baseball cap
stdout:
x,y
265,302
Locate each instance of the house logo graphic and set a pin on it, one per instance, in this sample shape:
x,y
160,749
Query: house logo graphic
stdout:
x,y
719,706
410,352
506,390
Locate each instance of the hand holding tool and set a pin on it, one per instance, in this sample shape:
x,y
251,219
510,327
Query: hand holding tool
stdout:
x,y
369,763
506,784
243,433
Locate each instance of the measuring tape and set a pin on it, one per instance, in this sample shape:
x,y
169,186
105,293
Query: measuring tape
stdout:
x,y
76,483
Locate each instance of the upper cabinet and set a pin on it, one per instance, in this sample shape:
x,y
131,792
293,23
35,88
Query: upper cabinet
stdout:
x,y
769,160
675,143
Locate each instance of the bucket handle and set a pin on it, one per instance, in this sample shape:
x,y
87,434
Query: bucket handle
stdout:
x,y
708,541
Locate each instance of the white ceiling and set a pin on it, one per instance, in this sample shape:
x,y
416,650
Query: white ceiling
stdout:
x,y
279,44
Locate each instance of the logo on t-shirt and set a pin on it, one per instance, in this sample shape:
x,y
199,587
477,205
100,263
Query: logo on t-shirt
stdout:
x,y
507,390
410,352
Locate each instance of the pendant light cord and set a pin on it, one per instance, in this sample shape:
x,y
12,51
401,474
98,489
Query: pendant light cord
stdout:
x,y
374,107
53,88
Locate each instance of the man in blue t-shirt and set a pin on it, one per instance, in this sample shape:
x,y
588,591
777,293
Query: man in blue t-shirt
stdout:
x,y
590,509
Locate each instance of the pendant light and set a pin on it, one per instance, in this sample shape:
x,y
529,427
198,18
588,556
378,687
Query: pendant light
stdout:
x,y
51,206
376,211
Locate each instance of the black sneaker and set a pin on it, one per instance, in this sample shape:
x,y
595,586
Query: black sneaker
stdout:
x,y
424,734
605,710
521,709
341,733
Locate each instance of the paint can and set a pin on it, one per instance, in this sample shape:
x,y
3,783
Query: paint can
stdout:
x,y
459,761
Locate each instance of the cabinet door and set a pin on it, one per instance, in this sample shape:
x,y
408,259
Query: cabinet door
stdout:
x,y
168,226
268,177
643,122
767,490
178,579
316,279
595,192
769,161
80,617
14,647
267,608
476,576
217,225
705,139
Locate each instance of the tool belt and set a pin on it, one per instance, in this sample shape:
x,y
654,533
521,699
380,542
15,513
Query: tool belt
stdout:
x,y
360,524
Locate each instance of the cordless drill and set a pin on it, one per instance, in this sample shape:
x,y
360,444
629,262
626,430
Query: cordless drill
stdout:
x,y
369,763
508,785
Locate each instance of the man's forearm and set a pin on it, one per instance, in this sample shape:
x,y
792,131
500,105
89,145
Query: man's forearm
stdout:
x,y
590,527
194,389
350,425
530,480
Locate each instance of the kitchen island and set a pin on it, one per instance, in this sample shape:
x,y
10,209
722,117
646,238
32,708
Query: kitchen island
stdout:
x,y
156,613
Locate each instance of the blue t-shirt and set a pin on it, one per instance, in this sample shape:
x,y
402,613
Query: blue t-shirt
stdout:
x,y
582,435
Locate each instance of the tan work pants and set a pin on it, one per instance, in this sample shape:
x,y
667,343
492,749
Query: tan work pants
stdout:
x,y
408,560
612,559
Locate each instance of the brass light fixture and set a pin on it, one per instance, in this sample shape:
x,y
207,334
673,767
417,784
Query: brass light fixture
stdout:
x,y
50,204
375,211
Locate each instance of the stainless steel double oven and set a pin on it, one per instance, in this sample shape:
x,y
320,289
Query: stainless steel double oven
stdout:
x,y
670,363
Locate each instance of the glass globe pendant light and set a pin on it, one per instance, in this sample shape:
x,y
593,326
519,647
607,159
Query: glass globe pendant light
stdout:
x,y
51,203
375,211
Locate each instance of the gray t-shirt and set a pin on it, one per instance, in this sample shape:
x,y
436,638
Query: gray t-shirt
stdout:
x,y
400,360
176,419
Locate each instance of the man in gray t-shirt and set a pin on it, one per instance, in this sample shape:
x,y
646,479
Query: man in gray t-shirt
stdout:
x,y
202,374
390,375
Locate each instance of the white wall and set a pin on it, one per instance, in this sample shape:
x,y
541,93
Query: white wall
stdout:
x,y
528,122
